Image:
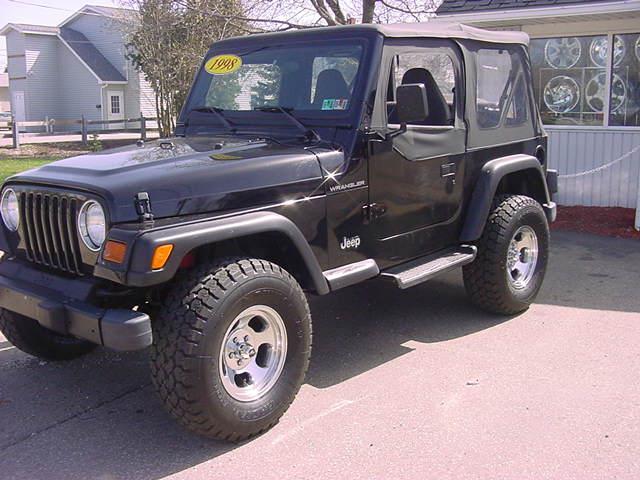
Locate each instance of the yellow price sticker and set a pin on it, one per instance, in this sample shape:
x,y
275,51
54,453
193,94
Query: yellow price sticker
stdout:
x,y
223,64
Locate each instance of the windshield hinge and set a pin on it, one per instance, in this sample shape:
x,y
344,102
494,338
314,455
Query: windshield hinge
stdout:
x,y
143,207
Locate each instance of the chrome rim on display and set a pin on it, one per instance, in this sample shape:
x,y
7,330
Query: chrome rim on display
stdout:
x,y
561,94
562,52
253,353
522,257
596,91
600,49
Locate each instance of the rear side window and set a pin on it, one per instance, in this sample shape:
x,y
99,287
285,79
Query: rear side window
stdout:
x,y
502,96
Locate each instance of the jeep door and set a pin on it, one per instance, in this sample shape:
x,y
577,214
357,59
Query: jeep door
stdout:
x,y
415,178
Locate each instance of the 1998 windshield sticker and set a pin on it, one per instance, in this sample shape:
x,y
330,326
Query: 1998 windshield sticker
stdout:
x,y
335,104
223,64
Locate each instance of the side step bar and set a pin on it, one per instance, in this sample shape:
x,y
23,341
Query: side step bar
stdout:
x,y
425,268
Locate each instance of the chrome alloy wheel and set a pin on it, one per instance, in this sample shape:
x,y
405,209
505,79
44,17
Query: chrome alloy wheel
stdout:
x,y
522,257
253,353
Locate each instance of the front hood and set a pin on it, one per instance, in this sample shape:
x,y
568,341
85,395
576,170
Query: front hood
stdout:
x,y
187,175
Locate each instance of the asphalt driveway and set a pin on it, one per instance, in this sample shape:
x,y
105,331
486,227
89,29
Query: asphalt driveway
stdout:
x,y
403,384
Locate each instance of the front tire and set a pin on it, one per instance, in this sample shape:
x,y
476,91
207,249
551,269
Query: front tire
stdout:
x,y
231,347
28,335
507,274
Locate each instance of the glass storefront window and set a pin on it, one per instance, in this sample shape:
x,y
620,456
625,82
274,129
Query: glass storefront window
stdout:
x,y
624,99
569,78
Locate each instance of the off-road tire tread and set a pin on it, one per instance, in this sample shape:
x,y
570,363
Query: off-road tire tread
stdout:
x,y
176,336
482,277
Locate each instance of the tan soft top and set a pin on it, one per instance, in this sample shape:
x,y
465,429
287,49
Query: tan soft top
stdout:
x,y
451,30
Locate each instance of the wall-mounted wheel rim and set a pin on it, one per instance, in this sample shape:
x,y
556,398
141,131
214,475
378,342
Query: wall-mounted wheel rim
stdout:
x,y
596,91
599,51
522,257
562,52
561,94
253,353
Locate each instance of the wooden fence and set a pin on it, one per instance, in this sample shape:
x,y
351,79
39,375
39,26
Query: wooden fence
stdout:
x,y
50,125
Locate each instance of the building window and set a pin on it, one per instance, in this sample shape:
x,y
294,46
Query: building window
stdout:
x,y
624,96
574,83
115,104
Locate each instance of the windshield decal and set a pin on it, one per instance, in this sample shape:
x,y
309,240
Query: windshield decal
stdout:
x,y
335,104
223,64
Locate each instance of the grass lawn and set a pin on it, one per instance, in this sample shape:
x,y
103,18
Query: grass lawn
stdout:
x,y
12,165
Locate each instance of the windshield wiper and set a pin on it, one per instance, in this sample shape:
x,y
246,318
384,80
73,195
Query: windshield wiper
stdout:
x,y
308,133
218,113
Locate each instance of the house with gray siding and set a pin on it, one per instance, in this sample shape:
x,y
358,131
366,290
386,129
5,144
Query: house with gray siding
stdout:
x,y
588,93
78,68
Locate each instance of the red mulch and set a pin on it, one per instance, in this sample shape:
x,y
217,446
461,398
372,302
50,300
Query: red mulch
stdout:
x,y
607,221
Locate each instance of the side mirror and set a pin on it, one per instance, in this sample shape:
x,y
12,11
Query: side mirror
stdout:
x,y
411,103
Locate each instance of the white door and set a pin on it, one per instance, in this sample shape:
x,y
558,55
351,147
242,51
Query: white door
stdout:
x,y
115,109
17,106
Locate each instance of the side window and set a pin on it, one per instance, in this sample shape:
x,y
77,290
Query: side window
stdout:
x,y
501,89
435,70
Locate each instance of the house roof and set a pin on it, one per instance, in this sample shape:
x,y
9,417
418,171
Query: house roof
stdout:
x,y
469,6
28,28
90,55
115,13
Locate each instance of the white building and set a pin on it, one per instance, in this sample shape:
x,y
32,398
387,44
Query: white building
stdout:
x,y
77,68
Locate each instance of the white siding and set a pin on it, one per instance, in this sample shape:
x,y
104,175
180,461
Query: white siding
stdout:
x,y
147,98
573,151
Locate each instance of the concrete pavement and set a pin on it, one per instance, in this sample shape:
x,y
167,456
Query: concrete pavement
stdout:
x,y
403,384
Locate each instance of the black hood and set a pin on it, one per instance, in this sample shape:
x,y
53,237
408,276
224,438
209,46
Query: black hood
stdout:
x,y
187,175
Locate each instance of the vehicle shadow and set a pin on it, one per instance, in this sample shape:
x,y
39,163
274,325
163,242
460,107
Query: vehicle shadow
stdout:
x,y
367,325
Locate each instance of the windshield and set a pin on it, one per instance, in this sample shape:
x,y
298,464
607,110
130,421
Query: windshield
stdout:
x,y
308,78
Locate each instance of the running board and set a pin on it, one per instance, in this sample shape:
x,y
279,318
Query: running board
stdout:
x,y
425,268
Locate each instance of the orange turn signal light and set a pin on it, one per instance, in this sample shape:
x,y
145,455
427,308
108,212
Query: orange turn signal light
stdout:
x,y
160,256
114,251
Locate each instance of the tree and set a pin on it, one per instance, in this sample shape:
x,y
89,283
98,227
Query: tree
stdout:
x,y
168,41
270,15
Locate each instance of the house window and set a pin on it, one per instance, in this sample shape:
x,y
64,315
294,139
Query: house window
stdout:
x,y
576,78
115,104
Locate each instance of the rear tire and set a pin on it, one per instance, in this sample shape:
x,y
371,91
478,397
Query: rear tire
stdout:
x,y
231,347
29,336
507,274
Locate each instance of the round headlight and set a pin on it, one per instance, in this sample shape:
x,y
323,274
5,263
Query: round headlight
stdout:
x,y
92,225
9,209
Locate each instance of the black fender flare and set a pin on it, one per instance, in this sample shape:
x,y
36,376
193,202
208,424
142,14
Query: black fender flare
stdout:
x,y
190,235
487,184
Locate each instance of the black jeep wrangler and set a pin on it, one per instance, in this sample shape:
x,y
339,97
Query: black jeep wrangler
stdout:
x,y
302,162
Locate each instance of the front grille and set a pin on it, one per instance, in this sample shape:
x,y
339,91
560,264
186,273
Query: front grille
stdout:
x,y
49,231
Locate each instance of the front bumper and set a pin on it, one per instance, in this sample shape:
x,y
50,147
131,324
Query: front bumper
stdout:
x,y
44,298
